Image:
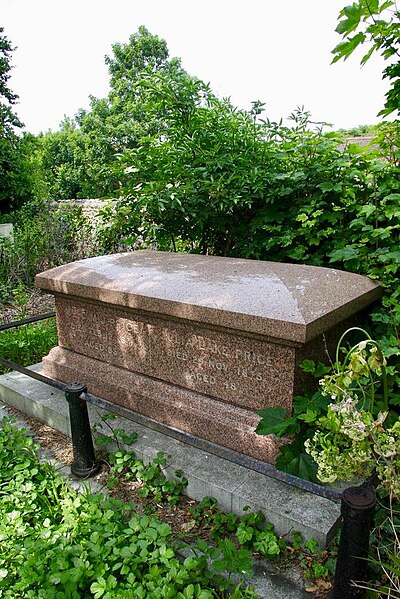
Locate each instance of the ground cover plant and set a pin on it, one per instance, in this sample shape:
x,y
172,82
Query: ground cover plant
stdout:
x,y
57,542
28,344
202,521
60,543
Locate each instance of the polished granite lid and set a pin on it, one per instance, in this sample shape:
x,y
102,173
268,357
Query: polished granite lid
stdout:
x,y
285,301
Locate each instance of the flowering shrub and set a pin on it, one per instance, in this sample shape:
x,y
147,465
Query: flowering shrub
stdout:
x,y
358,433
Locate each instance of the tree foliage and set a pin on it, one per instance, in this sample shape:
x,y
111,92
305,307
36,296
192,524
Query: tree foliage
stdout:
x,y
9,120
78,161
14,168
143,54
377,24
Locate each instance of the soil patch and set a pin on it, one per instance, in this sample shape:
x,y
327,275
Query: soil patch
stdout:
x,y
38,303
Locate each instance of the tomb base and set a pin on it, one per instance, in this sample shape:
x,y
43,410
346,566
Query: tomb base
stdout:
x,y
199,343
180,408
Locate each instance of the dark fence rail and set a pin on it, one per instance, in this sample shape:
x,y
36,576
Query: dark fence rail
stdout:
x,y
357,503
19,323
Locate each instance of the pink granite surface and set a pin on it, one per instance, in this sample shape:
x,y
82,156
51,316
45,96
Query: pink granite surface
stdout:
x,y
281,301
185,410
241,370
198,342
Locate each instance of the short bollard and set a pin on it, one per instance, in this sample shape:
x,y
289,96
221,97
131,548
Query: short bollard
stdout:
x,y
84,464
358,508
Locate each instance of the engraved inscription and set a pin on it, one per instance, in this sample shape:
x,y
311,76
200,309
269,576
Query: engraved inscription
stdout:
x,y
103,334
239,361
238,369
231,367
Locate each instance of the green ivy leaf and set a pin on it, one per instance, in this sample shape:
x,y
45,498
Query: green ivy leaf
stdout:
x,y
98,588
267,543
309,417
270,417
308,366
311,545
317,403
316,370
244,533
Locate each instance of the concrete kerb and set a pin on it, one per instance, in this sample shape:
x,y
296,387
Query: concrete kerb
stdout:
x,y
288,508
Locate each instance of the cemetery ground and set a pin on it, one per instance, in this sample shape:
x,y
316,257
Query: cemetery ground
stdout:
x,y
191,522
297,571
188,520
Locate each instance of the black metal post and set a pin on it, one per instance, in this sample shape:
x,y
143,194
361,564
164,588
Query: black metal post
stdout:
x,y
358,508
84,464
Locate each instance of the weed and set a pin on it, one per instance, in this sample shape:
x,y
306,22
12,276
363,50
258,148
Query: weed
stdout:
x,y
155,486
116,435
249,530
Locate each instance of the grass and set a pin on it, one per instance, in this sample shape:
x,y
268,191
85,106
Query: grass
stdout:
x,y
27,344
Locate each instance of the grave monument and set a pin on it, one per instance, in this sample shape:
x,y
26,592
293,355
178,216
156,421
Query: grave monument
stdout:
x,y
196,342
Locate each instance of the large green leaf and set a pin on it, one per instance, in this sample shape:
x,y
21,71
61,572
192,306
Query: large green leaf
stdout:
x,y
316,403
352,14
293,460
347,253
274,422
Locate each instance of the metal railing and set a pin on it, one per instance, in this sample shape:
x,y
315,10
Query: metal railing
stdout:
x,y
357,503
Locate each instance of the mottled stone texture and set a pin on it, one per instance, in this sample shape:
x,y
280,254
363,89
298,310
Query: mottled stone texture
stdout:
x,y
199,343
220,364
179,408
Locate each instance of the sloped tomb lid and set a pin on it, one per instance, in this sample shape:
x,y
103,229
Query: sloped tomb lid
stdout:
x,y
286,301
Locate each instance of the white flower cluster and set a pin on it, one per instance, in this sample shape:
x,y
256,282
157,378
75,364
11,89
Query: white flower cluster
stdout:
x,y
338,461
346,406
349,440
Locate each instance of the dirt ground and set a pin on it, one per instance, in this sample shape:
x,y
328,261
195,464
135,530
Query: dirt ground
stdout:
x,y
38,303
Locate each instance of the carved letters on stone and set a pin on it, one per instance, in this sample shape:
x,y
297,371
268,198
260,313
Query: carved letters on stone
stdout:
x,y
227,366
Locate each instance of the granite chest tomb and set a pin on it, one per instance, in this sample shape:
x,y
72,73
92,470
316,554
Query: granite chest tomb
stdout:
x,y
198,342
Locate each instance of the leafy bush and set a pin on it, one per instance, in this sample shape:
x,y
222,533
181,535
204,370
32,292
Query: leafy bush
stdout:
x,y
45,235
58,543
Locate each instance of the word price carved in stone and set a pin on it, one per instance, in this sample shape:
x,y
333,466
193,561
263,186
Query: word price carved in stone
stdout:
x,y
207,360
128,331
